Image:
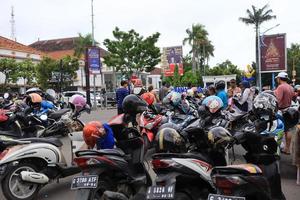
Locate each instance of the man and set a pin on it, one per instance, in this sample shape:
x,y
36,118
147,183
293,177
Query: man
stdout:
x,y
121,93
284,94
235,89
163,91
220,88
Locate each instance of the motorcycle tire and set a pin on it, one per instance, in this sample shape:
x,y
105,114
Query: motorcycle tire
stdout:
x,y
96,194
182,196
12,179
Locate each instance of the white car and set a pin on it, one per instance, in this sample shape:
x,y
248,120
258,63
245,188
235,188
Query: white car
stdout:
x,y
68,94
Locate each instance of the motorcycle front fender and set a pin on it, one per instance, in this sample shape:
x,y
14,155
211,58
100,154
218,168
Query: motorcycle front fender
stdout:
x,y
82,194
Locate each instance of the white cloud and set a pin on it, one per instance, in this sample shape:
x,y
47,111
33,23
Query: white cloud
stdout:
x,y
46,19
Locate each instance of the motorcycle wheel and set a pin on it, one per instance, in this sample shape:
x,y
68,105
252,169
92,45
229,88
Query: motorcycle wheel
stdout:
x,y
181,196
14,188
96,194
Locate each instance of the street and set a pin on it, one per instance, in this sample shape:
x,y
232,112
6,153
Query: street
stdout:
x,y
61,189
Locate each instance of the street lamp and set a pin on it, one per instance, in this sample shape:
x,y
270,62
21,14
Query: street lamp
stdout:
x,y
259,54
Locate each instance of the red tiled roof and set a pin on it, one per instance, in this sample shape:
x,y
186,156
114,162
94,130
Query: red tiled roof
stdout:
x,y
59,47
156,71
57,55
6,43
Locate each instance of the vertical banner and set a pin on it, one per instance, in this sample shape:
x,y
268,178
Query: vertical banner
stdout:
x,y
273,53
93,60
172,57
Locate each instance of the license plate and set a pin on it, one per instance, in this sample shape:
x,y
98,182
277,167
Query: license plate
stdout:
x,y
80,182
222,197
161,192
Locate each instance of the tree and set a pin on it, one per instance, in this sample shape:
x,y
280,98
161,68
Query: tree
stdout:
x,y
9,68
44,71
202,48
68,69
131,53
81,43
225,68
26,70
293,59
256,17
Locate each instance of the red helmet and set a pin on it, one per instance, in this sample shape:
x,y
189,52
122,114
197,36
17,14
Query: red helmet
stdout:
x,y
92,131
148,97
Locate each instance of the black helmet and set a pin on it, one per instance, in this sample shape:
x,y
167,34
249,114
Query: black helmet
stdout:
x,y
219,137
220,85
169,140
133,104
290,117
265,106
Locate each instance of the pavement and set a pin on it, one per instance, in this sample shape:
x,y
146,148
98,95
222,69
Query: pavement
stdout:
x,y
61,190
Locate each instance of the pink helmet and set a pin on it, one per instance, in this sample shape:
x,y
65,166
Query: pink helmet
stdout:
x,y
77,102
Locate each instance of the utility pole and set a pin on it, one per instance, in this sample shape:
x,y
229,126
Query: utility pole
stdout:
x,y
13,25
93,43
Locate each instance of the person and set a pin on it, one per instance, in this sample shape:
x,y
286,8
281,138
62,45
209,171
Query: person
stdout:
x,y
284,94
220,88
244,101
152,91
211,90
163,91
235,89
121,93
101,135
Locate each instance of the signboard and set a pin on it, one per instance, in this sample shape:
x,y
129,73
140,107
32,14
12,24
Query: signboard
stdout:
x,y
93,60
273,53
172,57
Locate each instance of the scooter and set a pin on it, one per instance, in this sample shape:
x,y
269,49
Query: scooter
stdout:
x,y
259,178
26,165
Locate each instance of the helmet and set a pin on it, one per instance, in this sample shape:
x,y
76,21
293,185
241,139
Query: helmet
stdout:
x,y
290,117
34,100
190,92
148,97
173,97
265,106
134,104
213,103
219,137
169,140
220,85
34,90
92,131
77,102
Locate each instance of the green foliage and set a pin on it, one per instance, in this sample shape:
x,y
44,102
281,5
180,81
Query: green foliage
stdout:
x,y
130,52
10,69
293,59
44,71
225,68
81,43
26,70
189,77
202,48
48,66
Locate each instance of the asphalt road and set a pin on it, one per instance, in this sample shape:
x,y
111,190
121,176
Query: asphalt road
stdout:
x,y
61,190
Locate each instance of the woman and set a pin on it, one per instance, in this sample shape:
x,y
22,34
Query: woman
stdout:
x,y
244,101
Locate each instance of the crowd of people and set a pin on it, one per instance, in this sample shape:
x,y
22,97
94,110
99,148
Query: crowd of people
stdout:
x,y
237,98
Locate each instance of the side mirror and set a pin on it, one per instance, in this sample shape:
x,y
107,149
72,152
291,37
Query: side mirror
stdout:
x,y
6,95
44,117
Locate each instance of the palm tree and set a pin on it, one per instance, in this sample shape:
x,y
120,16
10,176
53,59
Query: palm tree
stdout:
x,y
81,43
256,17
201,46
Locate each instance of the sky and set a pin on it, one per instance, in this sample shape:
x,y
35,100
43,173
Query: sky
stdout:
x,y
233,40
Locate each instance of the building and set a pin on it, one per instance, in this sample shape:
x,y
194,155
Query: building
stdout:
x,y
12,49
59,48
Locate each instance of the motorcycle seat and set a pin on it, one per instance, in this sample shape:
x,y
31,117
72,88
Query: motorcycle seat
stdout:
x,y
247,169
10,133
112,152
57,114
54,141
197,156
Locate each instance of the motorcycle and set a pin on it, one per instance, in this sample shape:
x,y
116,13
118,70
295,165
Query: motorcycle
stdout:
x,y
186,175
259,178
121,170
29,164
